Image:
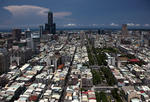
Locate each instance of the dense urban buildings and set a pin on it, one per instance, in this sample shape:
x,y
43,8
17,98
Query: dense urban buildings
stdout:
x,y
79,66
74,65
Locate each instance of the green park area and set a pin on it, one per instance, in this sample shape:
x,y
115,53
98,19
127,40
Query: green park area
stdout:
x,y
97,77
101,97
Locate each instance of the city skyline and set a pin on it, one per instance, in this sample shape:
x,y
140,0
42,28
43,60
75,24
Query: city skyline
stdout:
x,y
74,51
75,13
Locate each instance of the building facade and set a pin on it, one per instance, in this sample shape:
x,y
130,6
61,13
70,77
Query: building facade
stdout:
x,y
4,61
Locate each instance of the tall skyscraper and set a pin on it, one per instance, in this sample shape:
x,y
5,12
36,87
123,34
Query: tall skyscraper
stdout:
x,y
41,30
99,31
142,38
16,33
50,26
124,29
50,18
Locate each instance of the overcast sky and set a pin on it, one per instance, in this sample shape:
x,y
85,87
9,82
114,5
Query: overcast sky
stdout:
x,y
97,13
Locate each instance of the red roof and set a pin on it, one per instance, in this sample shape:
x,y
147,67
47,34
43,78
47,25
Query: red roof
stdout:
x,y
90,91
86,92
142,91
134,60
120,82
91,98
33,98
61,66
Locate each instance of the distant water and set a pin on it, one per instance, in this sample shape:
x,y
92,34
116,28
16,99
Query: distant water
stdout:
x,y
5,30
9,30
59,29
70,29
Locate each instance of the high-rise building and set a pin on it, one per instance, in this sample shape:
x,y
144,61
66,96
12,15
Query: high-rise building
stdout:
x,y
124,29
16,33
54,28
28,33
4,61
50,26
35,42
41,30
0,36
142,38
99,31
50,18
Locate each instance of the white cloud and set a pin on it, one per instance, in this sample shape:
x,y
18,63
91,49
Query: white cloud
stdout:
x,y
94,25
113,24
137,25
133,24
26,10
62,14
32,15
130,24
22,10
70,25
146,25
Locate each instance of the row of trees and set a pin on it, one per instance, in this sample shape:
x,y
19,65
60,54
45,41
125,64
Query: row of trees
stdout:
x,y
108,50
97,77
109,76
91,59
101,97
115,94
111,50
101,58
